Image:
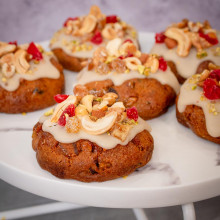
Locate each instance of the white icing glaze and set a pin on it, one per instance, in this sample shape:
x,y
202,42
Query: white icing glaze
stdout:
x,y
192,97
104,140
186,66
60,37
44,69
166,77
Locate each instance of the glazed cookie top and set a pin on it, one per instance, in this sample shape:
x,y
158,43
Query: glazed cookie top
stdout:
x,y
102,120
80,36
121,60
28,61
203,90
188,43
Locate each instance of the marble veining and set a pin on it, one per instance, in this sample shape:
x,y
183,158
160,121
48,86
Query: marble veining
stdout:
x,y
218,157
165,168
15,129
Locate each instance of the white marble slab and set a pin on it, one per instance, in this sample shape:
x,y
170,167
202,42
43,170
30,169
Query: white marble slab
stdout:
x,y
184,168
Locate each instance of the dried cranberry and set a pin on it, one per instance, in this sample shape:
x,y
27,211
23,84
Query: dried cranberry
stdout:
x,y
69,19
34,51
211,40
128,40
211,89
215,74
70,110
132,113
162,64
111,19
160,37
13,42
60,98
97,38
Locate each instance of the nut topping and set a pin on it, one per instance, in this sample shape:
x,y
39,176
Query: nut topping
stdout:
x,y
8,70
6,48
100,126
88,24
21,63
183,39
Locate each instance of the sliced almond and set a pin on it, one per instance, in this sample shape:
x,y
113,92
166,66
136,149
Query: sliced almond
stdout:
x,y
100,126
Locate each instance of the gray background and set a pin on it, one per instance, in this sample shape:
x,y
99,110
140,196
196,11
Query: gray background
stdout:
x,y
37,20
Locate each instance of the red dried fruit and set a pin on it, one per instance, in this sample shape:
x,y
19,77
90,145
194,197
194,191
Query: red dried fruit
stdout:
x,y
69,19
162,64
13,42
160,37
60,97
132,113
97,38
34,51
111,19
215,74
70,110
211,40
211,89
128,40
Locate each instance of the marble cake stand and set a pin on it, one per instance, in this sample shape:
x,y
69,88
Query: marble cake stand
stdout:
x,y
183,169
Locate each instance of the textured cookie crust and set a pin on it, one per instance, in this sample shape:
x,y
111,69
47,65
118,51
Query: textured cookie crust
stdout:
x,y
194,118
150,97
69,62
32,95
86,161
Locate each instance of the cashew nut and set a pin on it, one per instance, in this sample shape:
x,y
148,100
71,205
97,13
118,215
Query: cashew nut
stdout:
x,y
61,107
7,58
113,46
88,24
87,102
110,97
21,63
81,110
183,39
6,48
109,32
100,126
132,63
8,70
127,47
95,11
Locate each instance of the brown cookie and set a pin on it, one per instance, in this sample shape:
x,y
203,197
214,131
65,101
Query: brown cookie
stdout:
x,y
194,118
86,161
32,95
149,96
